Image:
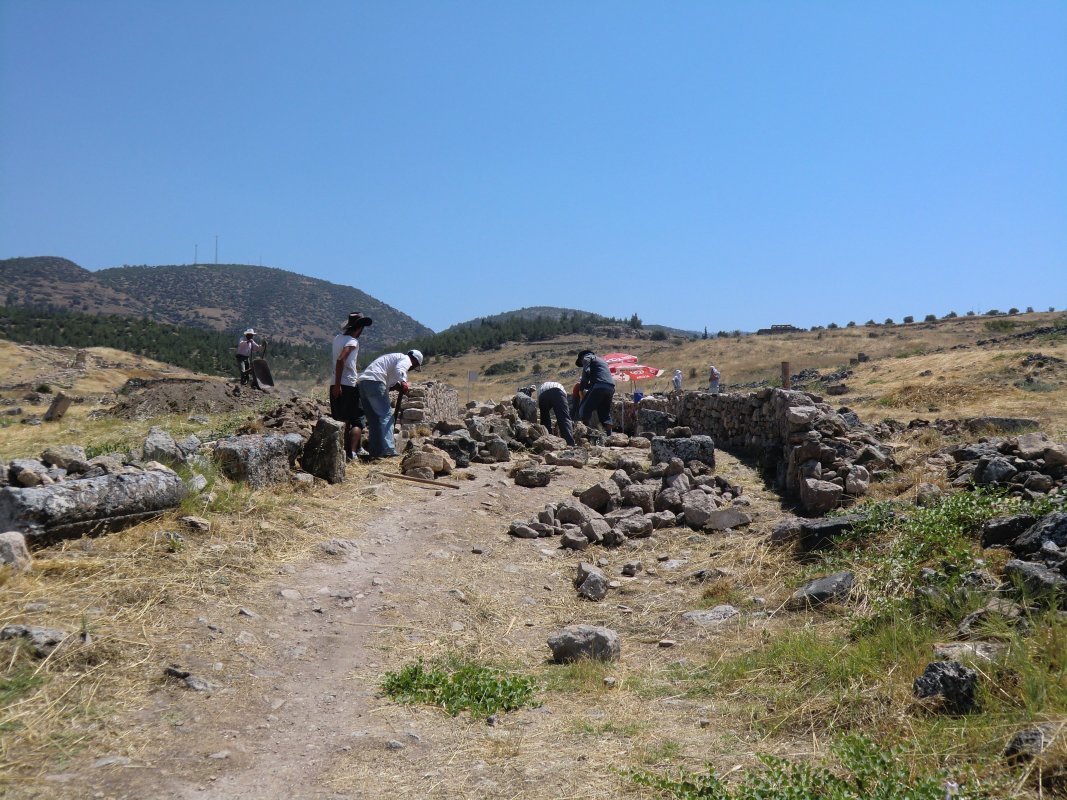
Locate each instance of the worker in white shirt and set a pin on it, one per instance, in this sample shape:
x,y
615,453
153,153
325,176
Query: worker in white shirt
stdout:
x,y
344,394
552,397
246,348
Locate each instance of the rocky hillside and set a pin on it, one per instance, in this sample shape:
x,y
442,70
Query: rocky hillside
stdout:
x,y
216,296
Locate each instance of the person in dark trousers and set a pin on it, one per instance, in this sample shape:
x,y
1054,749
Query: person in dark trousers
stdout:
x,y
599,387
551,397
344,393
246,348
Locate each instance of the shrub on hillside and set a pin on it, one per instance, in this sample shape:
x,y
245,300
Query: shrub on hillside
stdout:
x,y
504,367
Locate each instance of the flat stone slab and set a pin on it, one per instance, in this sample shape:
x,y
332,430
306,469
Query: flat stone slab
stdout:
x,y
710,617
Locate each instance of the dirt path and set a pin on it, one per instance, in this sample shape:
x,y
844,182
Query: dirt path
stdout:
x,y
297,714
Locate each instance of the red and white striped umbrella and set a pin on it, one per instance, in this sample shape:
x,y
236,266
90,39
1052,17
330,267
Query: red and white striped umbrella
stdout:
x,y
619,358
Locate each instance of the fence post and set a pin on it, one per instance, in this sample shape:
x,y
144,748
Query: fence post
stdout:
x,y
785,375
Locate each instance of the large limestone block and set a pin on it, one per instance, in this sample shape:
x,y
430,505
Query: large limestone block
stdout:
x,y
324,451
89,505
160,446
259,460
819,496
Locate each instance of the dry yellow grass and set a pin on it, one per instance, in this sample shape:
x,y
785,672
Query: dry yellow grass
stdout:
x,y
133,593
966,382
25,367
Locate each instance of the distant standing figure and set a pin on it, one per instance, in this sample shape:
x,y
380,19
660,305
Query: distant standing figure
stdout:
x,y
713,379
677,380
246,348
344,394
599,387
381,375
552,397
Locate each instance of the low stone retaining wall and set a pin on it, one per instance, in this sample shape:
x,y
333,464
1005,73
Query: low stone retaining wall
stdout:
x,y
809,450
429,403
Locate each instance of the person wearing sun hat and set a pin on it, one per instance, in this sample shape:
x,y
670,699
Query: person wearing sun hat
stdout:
x,y
382,374
345,405
246,348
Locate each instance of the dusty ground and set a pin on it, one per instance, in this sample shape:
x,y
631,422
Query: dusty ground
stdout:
x,y
297,714
152,398
296,711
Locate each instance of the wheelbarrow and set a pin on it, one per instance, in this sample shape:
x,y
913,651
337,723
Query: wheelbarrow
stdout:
x,y
261,377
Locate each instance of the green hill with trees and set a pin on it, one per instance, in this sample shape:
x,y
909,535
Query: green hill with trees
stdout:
x,y
220,297
205,351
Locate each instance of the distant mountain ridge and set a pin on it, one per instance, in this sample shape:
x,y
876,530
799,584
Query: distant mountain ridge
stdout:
x,y
223,297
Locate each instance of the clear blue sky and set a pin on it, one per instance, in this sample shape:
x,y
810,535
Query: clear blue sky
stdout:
x,y
719,164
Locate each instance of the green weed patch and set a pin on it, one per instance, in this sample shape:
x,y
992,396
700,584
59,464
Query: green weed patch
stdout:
x,y
863,771
456,685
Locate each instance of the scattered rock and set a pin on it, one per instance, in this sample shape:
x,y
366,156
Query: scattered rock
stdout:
x,y
950,683
711,617
42,640
14,552
832,588
160,446
1030,742
576,642
533,476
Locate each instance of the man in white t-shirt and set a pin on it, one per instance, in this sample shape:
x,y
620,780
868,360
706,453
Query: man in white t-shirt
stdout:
x,y
344,394
382,374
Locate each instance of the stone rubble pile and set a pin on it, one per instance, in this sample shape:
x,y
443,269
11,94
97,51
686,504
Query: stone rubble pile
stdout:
x,y
1039,549
494,433
955,427
297,415
426,461
636,500
1030,465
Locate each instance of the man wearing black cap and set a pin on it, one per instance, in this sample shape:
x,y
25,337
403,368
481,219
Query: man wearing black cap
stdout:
x,y
344,393
599,387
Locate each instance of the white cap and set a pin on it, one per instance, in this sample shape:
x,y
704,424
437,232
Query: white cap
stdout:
x,y
415,356
250,331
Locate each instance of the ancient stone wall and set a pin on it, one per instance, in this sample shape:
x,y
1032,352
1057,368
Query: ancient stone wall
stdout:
x,y
430,402
809,450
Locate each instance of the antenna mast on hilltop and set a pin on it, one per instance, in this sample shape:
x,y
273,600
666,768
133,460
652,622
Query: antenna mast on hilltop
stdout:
x,y
216,248
196,252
